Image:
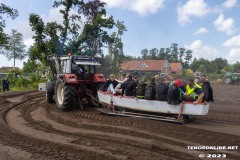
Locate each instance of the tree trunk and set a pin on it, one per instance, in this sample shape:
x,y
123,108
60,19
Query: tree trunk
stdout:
x,y
14,63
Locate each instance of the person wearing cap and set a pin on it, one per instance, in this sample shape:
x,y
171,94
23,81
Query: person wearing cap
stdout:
x,y
173,94
207,90
193,92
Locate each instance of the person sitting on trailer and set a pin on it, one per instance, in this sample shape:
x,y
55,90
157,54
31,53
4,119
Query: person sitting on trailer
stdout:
x,y
173,94
110,84
141,88
193,92
150,91
207,90
183,86
157,79
161,90
129,87
118,89
136,79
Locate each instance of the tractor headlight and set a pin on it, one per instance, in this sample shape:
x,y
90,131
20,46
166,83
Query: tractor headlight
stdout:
x,y
72,79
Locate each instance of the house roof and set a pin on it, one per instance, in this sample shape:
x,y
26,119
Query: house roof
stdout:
x,y
6,69
144,65
175,66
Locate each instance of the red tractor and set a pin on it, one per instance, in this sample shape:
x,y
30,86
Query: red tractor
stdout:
x,y
75,79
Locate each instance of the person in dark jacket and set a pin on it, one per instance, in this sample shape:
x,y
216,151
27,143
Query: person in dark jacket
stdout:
x,y
136,77
207,90
129,87
4,84
161,90
7,84
110,84
173,95
150,91
141,88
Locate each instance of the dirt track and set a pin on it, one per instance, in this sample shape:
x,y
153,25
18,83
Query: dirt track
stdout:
x,y
32,129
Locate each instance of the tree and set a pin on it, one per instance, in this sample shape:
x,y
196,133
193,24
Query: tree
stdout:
x,y
236,66
15,48
115,47
174,52
10,12
187,58
218,64
153,53
181,54
59,39
144,54
94,34
196,63
162,54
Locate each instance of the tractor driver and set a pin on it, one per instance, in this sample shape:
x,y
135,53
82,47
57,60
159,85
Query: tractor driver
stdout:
x,y
77,69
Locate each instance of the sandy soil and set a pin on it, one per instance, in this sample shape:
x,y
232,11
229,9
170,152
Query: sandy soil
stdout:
x,y
30,128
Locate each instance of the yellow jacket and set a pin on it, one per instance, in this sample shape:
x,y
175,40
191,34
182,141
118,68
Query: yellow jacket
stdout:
x,y
190,91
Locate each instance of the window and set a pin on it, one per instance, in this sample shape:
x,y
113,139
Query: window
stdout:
x,y
143,65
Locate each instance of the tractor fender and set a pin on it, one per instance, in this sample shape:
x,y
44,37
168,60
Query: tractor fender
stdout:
x,y
50,86
99,78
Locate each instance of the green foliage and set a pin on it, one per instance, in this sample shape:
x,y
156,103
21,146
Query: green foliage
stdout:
x,y
59,39
10,12
15,49
172,54
24,81
115,54
236,67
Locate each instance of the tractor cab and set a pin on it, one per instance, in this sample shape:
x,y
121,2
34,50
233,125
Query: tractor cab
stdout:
x,y
83,67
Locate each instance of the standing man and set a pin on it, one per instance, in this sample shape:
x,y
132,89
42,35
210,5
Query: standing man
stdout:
x,y
7,85
4,84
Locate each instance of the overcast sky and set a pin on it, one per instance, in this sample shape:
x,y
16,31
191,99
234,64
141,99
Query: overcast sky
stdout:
x,y
211,28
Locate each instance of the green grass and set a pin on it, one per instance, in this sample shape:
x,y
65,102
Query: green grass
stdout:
x,y
14,89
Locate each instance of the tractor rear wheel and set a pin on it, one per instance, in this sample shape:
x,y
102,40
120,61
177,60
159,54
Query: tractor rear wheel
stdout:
x,y
65,95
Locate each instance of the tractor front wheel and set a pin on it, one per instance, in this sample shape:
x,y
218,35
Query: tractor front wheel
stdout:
x,y
227,80
65,95
49,97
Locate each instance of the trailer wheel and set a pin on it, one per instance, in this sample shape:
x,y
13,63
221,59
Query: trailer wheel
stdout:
x,y
65,95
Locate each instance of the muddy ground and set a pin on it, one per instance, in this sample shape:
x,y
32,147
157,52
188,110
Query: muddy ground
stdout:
x,y
32,129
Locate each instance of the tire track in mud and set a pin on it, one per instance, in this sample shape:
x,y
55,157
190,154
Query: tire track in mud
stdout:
x,y
38,147
155,152
98,117
146,151
86,134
